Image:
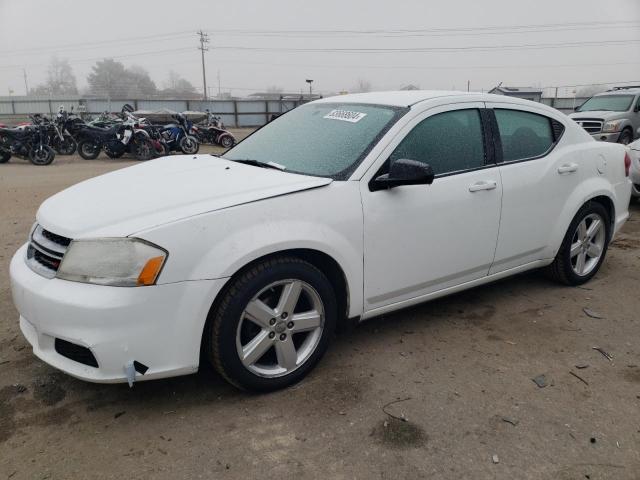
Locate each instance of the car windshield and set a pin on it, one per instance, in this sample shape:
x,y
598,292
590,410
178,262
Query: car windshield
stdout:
x,y
614,103
321,139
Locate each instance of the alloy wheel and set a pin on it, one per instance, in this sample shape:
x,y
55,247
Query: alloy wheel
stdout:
x,y
587,244
280,328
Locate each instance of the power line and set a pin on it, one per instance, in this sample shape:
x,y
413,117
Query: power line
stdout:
x,y
529,46
447,30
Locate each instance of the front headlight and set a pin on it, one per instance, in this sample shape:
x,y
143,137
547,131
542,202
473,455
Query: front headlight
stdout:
x,y
610,127
120,262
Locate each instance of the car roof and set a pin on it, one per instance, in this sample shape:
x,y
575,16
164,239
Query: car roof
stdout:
x,y
407,98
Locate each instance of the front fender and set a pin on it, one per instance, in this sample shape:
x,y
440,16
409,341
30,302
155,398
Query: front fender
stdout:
x,y
218,244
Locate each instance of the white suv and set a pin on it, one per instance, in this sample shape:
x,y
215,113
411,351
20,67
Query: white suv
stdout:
x,y
340,210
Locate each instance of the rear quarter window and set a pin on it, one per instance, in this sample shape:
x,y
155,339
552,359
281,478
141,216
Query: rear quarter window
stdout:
x,y
524,134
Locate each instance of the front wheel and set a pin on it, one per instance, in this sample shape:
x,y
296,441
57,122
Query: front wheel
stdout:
x,y
4,156
66,146
143,149
189,145
88,149
584,246
273,324
626,137
42,155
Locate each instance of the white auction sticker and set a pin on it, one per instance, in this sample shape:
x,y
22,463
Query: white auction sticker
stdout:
x,y
345,116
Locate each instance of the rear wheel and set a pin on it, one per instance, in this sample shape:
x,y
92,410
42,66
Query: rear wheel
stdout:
x,y
143,149
88,149
4,156
272,325
584,246
226,141
42,155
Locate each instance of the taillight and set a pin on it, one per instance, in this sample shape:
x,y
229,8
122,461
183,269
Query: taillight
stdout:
x,y
627,164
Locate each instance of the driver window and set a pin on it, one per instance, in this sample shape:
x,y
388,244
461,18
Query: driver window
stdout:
x,y
449,142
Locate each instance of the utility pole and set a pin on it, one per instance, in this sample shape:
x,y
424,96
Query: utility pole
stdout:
x,y
468,85
309,81
204,39
26,85
219,92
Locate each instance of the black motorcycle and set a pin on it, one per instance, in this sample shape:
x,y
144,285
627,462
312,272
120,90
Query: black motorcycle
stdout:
x,y
29,141
64,129
115,141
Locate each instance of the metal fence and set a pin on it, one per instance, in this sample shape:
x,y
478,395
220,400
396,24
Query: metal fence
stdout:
x,y
234,113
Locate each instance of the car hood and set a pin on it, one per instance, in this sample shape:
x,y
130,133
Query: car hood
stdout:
x,y
161,191
602,114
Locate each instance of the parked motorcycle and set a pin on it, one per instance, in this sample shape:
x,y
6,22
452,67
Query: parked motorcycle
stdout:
x,y
29,141
116,140
213,132
62,127
176,136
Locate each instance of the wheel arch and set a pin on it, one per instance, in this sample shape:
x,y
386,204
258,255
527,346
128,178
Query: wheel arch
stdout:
x,y
598,195
321,260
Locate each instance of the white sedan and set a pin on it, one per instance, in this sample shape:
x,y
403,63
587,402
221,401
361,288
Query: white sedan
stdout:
x,y
340,210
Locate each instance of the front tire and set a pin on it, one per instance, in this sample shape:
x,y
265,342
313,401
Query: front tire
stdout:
x,y
189,145
88,149
584,246
67,146
626,137
272,325
42,155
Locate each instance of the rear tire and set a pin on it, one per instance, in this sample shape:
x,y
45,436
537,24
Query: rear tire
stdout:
x,y
4,157
582,251
279,350
88,149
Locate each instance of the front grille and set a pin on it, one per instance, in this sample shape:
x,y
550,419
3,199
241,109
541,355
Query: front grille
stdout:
x,y
591,125
74,352
45,251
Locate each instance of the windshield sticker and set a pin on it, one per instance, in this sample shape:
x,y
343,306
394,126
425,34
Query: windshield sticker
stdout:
x,y
345,116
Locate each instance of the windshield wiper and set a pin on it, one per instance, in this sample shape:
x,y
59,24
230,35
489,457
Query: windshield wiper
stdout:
x,y
258,163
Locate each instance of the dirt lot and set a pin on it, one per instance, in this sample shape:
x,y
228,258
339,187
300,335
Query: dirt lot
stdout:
x,y
462,368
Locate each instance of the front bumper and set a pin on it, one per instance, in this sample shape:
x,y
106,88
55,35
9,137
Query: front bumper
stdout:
x,y
159,326
606,137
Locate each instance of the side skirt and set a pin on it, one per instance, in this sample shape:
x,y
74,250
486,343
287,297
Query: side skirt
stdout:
x,y
458,288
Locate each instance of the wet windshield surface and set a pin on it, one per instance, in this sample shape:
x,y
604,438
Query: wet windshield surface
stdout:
x,y
614,103
325,139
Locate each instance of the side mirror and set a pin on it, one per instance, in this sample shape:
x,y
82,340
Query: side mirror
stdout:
x,y
404,172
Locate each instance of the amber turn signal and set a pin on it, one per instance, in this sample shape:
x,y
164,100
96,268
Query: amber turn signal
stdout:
x,y
150,271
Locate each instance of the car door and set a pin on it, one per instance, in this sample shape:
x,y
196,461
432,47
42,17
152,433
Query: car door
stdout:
x,y
536,177
419,239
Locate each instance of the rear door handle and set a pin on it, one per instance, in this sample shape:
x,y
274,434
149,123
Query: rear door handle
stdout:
x,y
484,185
568,168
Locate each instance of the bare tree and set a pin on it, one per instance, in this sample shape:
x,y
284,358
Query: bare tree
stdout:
x,y
362,86
60,79
590,90
177,86
275,89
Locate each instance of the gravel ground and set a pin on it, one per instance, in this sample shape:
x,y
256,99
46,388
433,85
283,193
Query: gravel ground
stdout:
x,y
460,370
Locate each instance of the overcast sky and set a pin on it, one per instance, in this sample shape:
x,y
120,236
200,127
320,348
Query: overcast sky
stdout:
x,y
256,44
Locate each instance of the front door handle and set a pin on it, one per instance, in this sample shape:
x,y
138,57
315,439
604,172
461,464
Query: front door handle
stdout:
x,y
483,185
568,168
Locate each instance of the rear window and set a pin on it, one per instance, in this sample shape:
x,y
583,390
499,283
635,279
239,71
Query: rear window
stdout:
x,y
523,134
